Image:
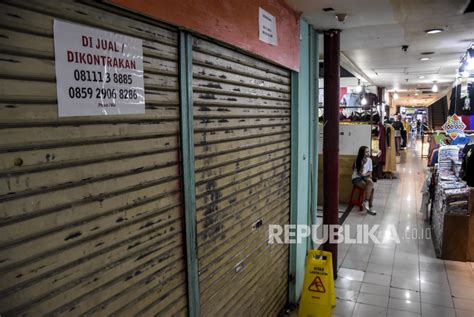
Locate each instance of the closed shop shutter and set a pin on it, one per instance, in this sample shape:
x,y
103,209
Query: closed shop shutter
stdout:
x,y
91,208
242,152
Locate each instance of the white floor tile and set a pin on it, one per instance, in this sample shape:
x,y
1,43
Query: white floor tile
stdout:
x,y
345,294
355,275
405,283
429,310
437,299
363,310
401,313
428,287
405,294
379,268
347,284
404,304
438,277
371,299
343,308
379,279
354,264
375,289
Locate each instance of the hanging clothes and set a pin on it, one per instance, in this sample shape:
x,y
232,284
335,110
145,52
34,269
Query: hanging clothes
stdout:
x,y
398,126
382,150
467,173
382,143
351,100
390,157
407,127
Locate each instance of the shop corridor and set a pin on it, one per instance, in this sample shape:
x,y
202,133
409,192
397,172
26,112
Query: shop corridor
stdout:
x,y
405,279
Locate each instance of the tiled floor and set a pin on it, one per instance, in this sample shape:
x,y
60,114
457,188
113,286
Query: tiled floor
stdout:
x,y
404,279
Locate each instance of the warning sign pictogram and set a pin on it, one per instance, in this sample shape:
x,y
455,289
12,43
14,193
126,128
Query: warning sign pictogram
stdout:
x,y
317,286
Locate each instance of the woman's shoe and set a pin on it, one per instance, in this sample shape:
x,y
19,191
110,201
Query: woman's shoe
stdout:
x,y
366,205
371,212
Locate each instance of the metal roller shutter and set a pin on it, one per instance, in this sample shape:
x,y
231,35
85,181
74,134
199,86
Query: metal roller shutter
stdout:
x,y
242,151
91,208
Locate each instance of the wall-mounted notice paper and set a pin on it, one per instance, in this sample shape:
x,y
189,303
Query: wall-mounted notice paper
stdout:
x,y
267,28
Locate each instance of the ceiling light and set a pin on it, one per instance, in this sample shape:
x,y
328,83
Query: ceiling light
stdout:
x,y
363,101
434,31
425,58
421,77
434,88
395,96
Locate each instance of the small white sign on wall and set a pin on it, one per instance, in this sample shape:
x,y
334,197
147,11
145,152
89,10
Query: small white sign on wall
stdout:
x,y
97,72
351,137
267,27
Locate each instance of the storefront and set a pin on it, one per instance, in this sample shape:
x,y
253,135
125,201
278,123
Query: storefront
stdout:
x,y
164,211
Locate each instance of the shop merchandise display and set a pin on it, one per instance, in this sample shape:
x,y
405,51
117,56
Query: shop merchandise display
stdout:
x,y
351,115
451,194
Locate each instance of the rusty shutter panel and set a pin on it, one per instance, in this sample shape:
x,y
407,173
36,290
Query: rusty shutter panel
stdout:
x,y
91,208
242,151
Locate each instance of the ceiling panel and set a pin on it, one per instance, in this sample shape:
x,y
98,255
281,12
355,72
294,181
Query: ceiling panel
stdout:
x,y
375,30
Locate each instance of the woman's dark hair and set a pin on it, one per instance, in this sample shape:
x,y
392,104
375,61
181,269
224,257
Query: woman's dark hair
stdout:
x,y
360,157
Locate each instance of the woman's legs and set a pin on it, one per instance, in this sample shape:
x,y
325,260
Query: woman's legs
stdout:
x,y
368,186
369,191
365,185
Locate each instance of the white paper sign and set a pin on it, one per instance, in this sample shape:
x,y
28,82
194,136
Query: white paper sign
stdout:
x,y
351,137
267,27
97,72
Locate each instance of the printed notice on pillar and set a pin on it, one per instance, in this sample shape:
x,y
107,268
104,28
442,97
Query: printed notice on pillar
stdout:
x,y
267,28
97,72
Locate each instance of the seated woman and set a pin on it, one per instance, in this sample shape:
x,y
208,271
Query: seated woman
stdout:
x,y
362,177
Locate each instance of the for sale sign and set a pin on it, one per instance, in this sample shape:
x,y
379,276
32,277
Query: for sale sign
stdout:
x,y
97,72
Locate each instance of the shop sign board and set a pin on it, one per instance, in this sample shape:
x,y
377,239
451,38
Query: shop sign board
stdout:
x,y
97,72
267,27
454,126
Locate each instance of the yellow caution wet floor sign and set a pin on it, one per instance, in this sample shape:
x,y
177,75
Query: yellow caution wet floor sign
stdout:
x,y
318,296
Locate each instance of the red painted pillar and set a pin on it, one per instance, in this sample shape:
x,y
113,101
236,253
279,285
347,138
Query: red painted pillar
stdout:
x,y
331,136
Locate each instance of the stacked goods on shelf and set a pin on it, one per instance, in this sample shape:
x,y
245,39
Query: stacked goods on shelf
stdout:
x,y
451,193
